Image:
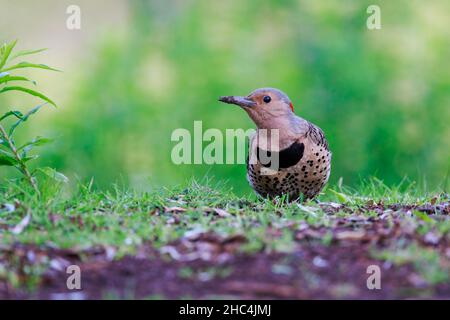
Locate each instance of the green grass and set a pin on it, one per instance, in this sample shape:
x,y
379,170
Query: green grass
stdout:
x,y
125,220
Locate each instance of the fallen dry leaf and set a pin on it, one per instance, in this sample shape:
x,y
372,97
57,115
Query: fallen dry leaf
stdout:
x,y
350,235
154,212
22,224
8,207
221,213
174,209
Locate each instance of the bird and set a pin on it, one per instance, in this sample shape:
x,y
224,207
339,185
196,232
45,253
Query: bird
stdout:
x,y
287,155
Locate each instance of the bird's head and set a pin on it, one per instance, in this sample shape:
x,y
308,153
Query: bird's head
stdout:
x,y
266,106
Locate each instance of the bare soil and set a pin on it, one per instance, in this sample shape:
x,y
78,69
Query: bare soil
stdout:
x,y
207,265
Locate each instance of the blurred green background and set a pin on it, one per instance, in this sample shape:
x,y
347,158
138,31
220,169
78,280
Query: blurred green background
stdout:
x,y
137,70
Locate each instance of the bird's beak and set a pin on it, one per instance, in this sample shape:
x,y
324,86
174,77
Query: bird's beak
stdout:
x,y
240,101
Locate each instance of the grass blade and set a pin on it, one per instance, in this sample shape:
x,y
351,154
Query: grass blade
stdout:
x,y
342,197
22,65
25,118
30,92
55,175
26,159
5,52
9,78
36,142
17,114
26,53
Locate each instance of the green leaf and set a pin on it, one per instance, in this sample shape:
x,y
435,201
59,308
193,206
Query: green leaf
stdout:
x,y
55,175
4,74
25,118
5,52
17,114
26,53
29,91
342,197
7,159
36,142
9,78
30,65
26,159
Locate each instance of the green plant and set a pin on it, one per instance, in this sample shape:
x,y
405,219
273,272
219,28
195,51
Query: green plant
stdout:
x,y
12,154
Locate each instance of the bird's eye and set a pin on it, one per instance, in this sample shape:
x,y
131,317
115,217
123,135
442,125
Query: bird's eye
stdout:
x,y
267,99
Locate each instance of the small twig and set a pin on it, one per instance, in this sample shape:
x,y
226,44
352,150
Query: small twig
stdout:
x,y
22,165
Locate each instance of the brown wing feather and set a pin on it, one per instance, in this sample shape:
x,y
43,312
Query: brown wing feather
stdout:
x,y
316,135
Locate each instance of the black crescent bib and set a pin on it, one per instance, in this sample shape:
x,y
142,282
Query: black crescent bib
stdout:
x,y
287,157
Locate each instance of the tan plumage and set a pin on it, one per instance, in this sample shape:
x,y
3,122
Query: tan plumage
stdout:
x,y
301,148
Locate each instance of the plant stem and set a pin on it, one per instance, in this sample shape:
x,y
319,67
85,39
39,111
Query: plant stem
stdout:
x,y
21,165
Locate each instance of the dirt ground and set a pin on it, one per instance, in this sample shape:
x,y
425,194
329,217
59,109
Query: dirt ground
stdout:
x,y
206,265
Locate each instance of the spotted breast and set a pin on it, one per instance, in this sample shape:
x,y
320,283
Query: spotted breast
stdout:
x,y
304,167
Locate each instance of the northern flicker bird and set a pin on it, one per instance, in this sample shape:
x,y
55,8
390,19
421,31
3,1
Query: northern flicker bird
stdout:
x,y
298,147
